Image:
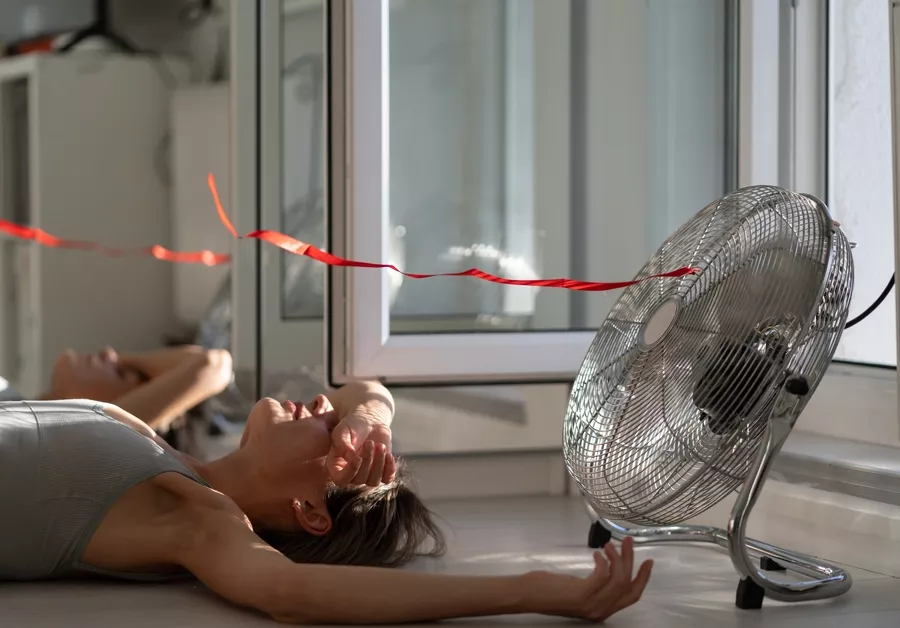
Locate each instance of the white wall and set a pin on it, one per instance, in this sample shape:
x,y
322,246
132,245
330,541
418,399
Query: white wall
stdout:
x,y
146,316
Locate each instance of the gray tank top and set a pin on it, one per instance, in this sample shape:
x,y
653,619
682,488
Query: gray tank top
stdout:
x,y
63,464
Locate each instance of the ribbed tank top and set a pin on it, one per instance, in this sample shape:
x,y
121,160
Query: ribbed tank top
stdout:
x,y
63,464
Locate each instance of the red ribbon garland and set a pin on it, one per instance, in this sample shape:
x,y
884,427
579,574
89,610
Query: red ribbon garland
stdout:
x,y
292,245
43,238
296,247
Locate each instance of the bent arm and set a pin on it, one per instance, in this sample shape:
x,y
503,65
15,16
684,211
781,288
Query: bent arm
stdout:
x,y
236,564
180,378
367,398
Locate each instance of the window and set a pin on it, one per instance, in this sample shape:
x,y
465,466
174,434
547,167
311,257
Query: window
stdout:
x,y
860,166
292,184
529,139
849,71
465,134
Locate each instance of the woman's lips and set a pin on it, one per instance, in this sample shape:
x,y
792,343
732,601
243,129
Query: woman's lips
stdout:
x,y
291,407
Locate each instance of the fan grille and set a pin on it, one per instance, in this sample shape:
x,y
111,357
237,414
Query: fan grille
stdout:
x,y
659,430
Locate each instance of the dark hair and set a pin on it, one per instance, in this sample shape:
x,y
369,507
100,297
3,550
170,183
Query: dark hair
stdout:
x,y
383,526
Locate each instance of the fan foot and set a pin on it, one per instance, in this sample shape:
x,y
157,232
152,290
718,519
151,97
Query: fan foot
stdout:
x,y
749,594
767,564
599,536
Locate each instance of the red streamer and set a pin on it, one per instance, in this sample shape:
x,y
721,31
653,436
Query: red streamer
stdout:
x,y
296,247
43,238
292,245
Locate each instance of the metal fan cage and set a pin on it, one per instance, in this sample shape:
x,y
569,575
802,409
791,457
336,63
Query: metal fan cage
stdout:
x,y
662,425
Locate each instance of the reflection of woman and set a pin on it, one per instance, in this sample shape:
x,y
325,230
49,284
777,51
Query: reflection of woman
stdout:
x,y
158,386
294,523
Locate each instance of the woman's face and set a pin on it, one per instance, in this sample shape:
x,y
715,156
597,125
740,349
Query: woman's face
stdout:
x,y
97,376
288,443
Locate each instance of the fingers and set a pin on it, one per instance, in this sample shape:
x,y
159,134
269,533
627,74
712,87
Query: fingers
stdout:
x,y
628,556
321,405
610,587
634,593
390,469
366,456
378,464
343,475
600,574
618,582
374,460
618,578
342,439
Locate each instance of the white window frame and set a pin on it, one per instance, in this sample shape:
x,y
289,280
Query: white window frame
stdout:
x,y
286,345
366,349
361,345
853,402
244,19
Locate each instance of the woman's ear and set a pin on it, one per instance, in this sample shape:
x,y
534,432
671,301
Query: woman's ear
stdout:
x,y
314,518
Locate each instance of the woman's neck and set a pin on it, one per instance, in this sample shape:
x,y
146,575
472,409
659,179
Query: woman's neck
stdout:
x,y
236,476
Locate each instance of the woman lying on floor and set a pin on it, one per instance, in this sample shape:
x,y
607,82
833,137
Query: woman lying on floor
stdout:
x,y
295,523
158,386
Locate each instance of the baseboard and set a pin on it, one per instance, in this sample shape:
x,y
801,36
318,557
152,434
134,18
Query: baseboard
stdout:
x,y
489,475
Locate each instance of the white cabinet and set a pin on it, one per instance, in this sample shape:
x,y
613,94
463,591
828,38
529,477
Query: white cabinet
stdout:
x,y
84,155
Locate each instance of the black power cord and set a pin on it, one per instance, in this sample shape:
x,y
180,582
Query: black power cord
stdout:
x,y
873,307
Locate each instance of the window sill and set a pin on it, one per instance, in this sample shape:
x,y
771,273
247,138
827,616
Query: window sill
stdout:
x,y
847,440
854,403
838,465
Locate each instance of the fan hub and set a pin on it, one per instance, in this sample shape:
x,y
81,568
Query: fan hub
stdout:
x,y
659,323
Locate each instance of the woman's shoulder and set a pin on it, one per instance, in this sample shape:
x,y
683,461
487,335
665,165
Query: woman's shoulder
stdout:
x,y
151,522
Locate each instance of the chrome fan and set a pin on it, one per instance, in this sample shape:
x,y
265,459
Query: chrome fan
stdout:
x,y
692,385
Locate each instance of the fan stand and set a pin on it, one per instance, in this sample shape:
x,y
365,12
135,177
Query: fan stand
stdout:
x,y
822,580
100,28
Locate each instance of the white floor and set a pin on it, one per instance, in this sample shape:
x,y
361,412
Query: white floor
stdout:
x,y
693,586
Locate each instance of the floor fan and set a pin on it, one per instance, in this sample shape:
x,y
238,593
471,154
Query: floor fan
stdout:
x,y
692,385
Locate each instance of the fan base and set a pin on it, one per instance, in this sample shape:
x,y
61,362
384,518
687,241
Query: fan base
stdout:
x,y
749,595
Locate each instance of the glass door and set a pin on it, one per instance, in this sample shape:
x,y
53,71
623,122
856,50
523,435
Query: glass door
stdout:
x,y
292,195
528,139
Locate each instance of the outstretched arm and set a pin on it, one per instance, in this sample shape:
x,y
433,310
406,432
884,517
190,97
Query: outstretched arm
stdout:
x,y
179,379
232,561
